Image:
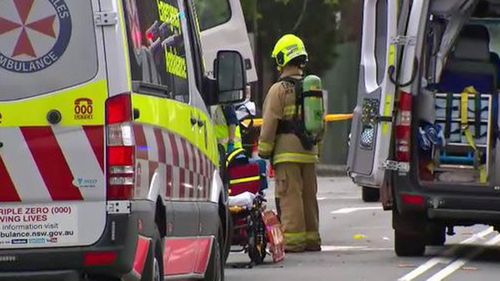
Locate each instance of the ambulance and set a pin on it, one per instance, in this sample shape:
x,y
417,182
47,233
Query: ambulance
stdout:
x,y
109,164
425,130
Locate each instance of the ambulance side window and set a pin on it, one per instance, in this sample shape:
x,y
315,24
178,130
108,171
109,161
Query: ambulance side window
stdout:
x,y
156,46
194,29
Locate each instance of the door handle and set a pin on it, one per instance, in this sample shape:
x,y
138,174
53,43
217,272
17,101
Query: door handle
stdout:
x,y
201,123
193,121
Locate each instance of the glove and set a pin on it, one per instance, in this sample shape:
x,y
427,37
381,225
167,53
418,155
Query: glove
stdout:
x,y
230,147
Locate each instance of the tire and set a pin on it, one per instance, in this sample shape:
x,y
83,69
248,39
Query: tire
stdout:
x,y
215,269
436,235
370,194
408,245
229,238
153,270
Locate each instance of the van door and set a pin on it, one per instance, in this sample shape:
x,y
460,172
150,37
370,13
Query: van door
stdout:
x,y
371,130
52,185
223,26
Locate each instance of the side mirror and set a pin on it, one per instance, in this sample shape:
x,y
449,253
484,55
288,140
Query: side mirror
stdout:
x,y
230,75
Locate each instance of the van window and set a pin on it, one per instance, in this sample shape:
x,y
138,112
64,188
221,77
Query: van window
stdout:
x,y
212,12
381,39
494,30
42,44
156,46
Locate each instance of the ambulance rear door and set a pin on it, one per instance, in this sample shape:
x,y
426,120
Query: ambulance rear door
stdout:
x,y
371,129
52,95
223,27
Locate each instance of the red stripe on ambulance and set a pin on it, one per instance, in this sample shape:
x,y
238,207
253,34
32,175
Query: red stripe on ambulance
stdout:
x,y
169,180
140,141
175,150
95,135
51,163
161,145
8,191
141,254
186,256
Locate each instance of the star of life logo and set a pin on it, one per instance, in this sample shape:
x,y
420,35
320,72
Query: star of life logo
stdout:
x,y
33,34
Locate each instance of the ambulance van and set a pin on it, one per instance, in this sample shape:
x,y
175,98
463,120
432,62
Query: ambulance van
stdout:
x,y
425,129
109,164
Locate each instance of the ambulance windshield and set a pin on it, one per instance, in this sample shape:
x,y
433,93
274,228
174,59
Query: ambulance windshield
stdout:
x,y
45,46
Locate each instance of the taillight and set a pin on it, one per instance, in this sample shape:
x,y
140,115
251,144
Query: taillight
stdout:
x,y
414,200
99,258
120,148
118,109
403,128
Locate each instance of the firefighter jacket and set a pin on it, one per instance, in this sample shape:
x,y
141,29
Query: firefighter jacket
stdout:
x,y
280,104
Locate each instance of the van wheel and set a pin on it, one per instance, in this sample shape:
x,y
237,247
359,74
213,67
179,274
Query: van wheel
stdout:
x,y
370,194
408,245
436,235
153,270
215,269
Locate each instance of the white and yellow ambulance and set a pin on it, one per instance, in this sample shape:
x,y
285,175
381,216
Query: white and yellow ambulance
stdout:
x,y
109,166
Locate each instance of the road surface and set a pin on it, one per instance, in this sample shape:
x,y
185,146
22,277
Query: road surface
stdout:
x,y
358,245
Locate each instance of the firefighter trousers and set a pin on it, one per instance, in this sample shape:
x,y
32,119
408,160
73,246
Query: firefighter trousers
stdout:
x,y
296,188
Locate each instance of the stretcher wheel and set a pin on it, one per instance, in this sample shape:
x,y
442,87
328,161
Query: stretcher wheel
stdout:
x,y
257,241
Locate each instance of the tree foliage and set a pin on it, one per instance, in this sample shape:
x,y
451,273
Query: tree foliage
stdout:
x,y
312,20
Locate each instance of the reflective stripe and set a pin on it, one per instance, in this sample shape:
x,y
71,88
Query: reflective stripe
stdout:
x,y
19,162
295,238
295,157
244,180
313,238
157,112
14,113
266,147
289,111
233,154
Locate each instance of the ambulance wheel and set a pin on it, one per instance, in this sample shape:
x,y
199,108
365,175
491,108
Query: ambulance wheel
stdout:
x,y
229,238
153,270
408,245
257,242
215,269
370,194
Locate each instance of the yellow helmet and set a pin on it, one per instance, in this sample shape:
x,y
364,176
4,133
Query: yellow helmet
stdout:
x,y
287,48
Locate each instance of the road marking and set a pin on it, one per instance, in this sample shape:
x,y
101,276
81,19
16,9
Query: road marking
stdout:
x,y
351,210
435,261
331,248
456,265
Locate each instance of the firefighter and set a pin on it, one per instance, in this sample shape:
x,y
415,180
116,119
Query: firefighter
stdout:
x,y
227,127
295,166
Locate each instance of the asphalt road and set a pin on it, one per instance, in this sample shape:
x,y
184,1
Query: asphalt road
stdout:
x,y
358,245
